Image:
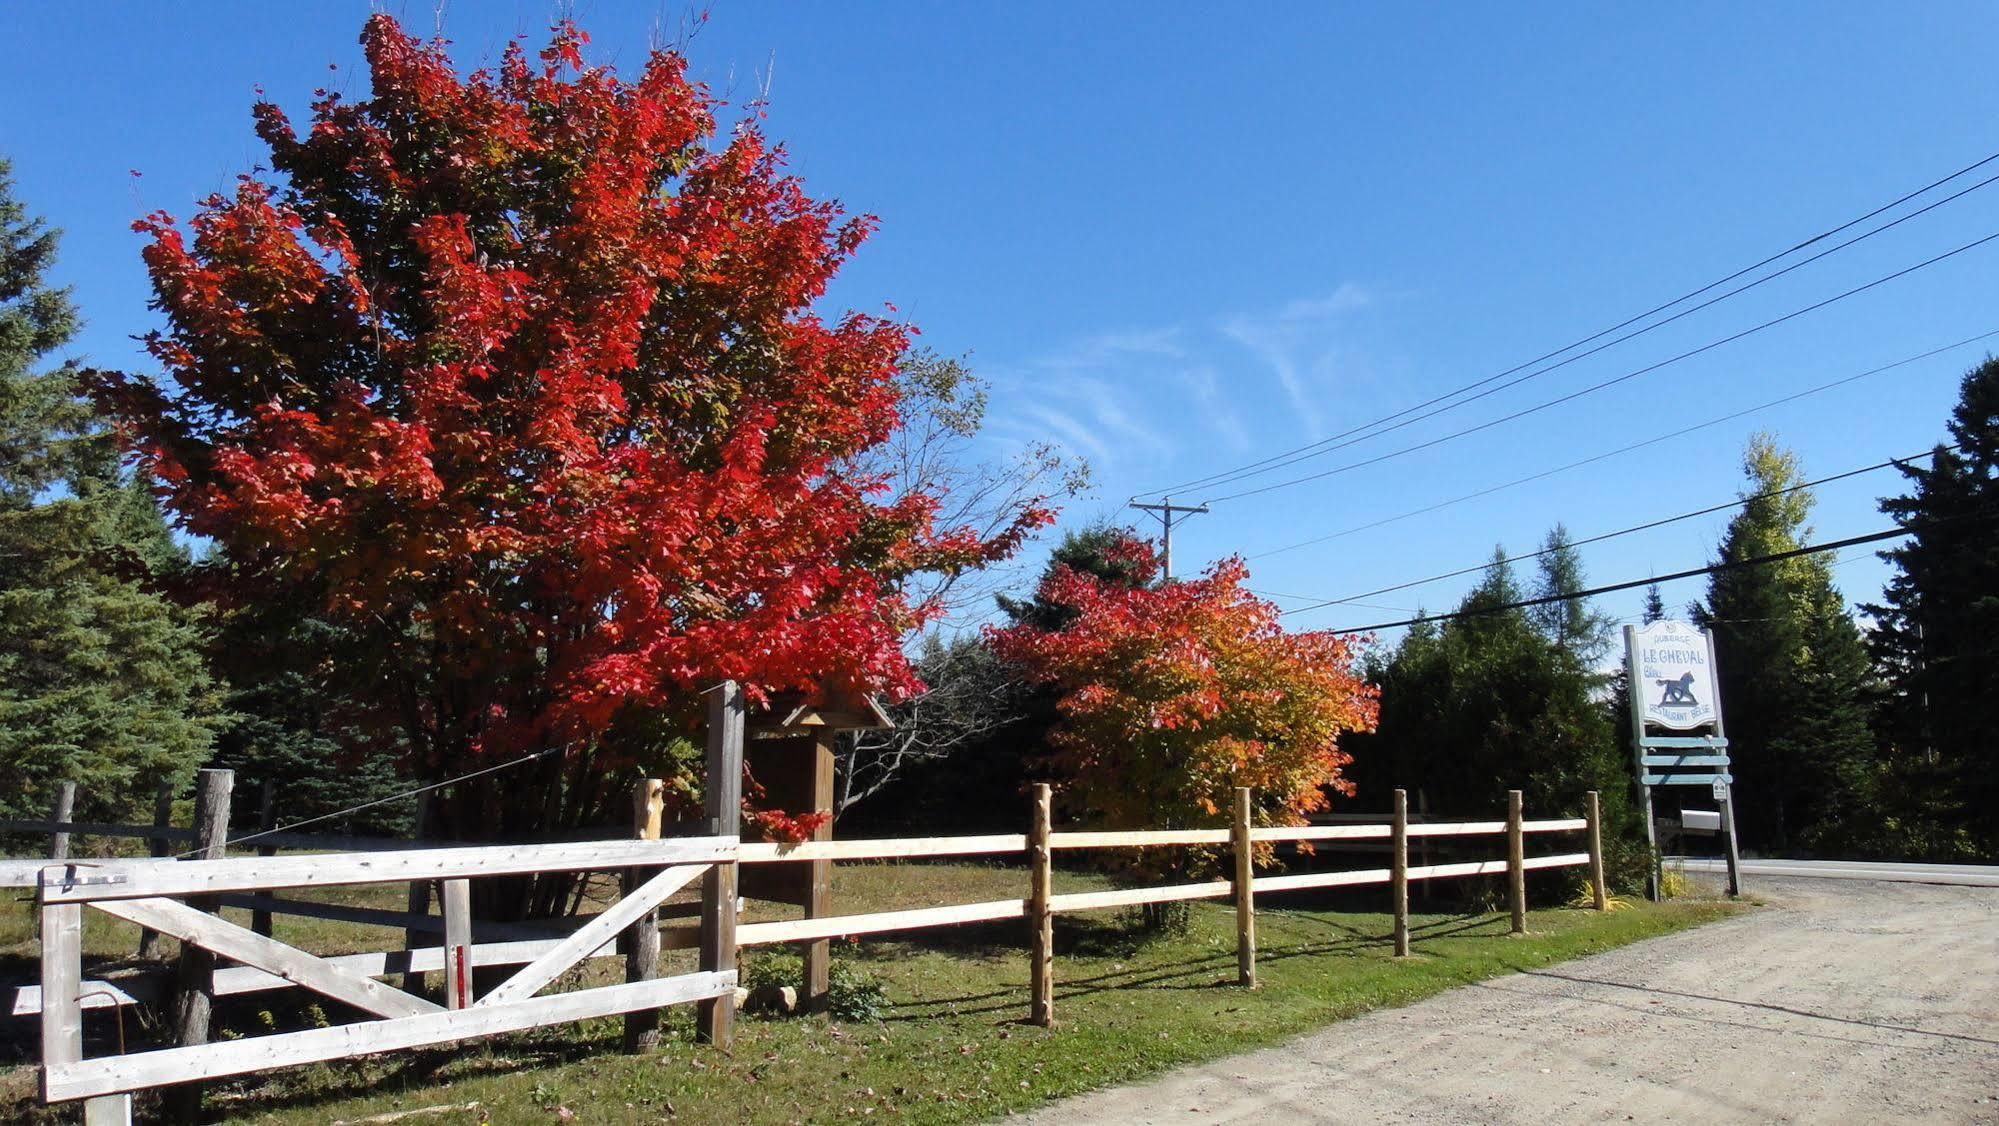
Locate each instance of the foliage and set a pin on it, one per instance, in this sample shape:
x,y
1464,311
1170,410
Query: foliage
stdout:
x,y
1936,642
1492,701
1173,695
515,380
1793,671
1578,630
101,680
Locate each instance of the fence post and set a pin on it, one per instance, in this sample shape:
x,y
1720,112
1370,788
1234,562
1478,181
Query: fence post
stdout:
x,y
194,976
457,896
1398,871
1245,891
642,939
156,846
1593,813
267,819
1516,862
65,805
62,1006
1041,868
418,902
716,1021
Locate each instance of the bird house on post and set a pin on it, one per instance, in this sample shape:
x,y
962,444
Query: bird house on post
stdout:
x,y
790,755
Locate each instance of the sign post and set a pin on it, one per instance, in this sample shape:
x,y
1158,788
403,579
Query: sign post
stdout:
x,y
1673,687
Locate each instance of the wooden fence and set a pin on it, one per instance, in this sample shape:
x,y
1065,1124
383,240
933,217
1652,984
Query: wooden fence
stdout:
x,y
179,898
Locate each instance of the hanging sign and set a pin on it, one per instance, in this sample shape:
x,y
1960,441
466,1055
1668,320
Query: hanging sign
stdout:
x,y
1672,668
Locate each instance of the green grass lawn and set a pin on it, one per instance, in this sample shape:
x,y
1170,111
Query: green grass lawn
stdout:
x,y
951,1046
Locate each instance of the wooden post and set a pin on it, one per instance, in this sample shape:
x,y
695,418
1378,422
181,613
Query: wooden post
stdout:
x,y
62,1005
457,898
1398,871
418,902
1635,697
1516,862
194,976
716,1019
1726,797
817,957
642,939
1040,860
267,819
1245,891
163,818
1593,813
65,805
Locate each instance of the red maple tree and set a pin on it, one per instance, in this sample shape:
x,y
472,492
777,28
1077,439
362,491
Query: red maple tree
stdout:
x,y
1173,694
518,378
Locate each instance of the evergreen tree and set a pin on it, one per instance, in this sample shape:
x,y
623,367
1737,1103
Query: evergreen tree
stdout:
x,y
1793,672
101,677
1655,606
1936,640
1093,550
1487,702
1577,629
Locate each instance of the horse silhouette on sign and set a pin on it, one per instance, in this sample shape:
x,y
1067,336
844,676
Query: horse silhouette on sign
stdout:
x,y
1679,691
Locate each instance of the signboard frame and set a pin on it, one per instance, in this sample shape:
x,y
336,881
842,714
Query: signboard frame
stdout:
x,y
1677,758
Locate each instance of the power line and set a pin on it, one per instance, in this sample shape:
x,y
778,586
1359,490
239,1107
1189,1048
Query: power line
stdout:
x,y
1612,382
1713,568
1635,528
1594,458
1239,472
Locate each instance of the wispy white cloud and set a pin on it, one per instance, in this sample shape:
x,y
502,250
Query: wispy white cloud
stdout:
x,y
1298,342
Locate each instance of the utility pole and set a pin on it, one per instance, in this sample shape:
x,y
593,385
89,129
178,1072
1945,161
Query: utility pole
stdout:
x,y
1164,511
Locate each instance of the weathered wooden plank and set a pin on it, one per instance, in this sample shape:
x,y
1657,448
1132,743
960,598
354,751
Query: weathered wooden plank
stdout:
x,y
62,980
91,994
141,1070
142,879
1446,871
1689,742
193,998
599,930
641,939
1686,779
722,807
1041,920
882,848
801,930
294,965
1559,825
1131,897
1303,880
457,897
1562,860
1148,838
1320,833
1684,760
1457,829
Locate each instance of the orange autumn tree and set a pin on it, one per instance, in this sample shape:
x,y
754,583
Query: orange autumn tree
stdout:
x,y
1173,694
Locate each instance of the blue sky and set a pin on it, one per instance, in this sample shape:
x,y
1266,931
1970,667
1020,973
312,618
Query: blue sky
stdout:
x,y
1178,238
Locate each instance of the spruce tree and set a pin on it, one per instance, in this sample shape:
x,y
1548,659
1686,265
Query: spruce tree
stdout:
x,y
1936,640
1577,630
101,677
1793,672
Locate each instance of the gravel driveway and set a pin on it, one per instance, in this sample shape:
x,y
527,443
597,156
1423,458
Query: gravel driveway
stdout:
x,y
1842,1001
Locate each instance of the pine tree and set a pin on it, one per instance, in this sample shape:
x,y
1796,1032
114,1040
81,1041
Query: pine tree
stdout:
x,y
1577,630
101,677
1936,640
1655,606
1793,671
1490,701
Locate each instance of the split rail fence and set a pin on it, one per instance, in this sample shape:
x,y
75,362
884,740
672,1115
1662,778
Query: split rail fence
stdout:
x,y
180,898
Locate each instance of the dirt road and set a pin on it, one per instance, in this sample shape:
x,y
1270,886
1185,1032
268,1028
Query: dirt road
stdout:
x,y
1842,1001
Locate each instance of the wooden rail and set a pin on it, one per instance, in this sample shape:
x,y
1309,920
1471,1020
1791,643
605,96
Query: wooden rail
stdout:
x,y
155,893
